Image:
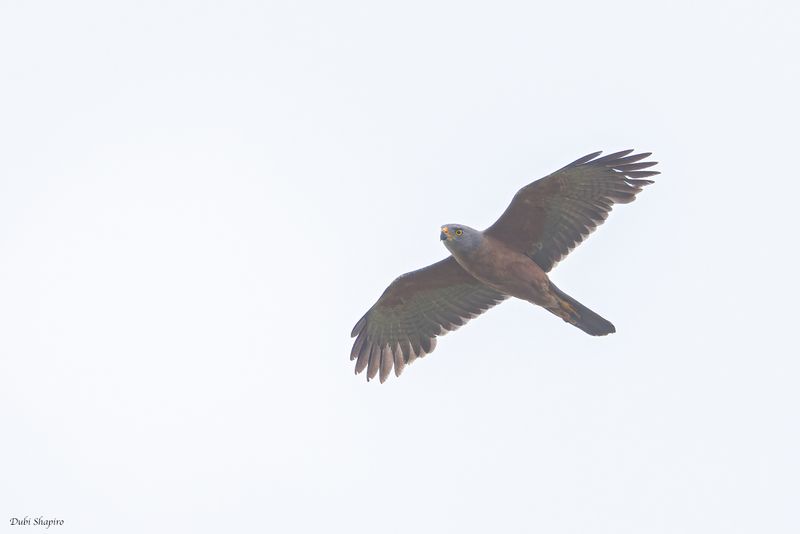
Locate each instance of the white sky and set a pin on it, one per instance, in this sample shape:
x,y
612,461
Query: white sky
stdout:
x,y
199,199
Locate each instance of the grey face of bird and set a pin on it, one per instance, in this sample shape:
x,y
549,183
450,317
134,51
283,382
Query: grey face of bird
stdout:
x,y
459,238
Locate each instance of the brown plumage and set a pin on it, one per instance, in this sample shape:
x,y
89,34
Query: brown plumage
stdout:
x,y
544,222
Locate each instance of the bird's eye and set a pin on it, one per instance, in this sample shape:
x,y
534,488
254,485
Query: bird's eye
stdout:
x,y
459,232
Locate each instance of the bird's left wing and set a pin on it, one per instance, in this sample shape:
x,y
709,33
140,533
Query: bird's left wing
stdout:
x,y
549,217
414,309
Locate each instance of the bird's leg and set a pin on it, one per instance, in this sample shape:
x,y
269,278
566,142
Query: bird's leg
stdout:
x,y
565,310
568,307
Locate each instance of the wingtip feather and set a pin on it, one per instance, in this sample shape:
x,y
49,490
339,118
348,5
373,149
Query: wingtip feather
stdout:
x,y
359,326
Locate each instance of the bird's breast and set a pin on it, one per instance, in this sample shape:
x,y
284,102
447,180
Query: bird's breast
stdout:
x,y
502,268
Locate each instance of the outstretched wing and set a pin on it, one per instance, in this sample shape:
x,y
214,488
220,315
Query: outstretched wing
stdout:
x,y
414,309
549,217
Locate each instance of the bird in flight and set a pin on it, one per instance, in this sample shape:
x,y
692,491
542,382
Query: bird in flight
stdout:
x,y
544,222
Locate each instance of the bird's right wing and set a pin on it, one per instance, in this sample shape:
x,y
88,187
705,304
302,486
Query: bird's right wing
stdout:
x,y
414,309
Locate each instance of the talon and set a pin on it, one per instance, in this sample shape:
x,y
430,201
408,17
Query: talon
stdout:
x,y
568,307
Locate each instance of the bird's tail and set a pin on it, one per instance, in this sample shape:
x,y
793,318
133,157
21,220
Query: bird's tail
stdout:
x,y
579,315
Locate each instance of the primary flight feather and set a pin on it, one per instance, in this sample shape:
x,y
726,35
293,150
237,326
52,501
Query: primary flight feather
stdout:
x,y
544,222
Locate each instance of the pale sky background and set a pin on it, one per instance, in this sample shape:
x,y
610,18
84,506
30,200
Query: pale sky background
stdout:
x,y
199,199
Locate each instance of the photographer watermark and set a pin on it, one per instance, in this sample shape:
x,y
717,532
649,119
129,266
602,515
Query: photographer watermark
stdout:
x,y
40,521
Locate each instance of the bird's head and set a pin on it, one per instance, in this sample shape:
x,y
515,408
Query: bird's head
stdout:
x,y
459,238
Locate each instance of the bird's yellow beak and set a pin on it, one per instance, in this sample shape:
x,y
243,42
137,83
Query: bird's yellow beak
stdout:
x,y
445,234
